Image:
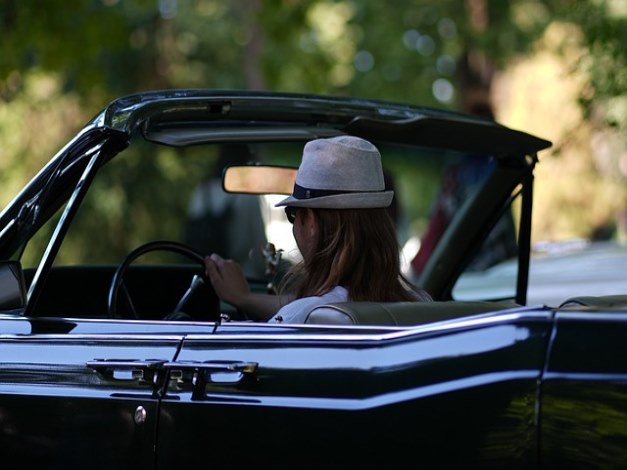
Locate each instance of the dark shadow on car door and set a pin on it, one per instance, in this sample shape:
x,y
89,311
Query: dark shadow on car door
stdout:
x,y
460,394
584,390
80,394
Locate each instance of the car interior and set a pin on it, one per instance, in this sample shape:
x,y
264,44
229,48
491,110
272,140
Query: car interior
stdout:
x,y
124,254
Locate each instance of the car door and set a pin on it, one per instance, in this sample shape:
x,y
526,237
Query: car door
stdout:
x,y
452,393
80,394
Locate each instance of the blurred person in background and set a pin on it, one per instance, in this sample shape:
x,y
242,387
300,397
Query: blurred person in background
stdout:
x,y
229,224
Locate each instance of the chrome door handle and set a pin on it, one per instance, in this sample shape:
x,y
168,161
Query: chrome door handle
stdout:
x,y
200,374
124,369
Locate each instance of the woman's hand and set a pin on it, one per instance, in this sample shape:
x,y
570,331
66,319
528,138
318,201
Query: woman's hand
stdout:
x,y
231,285
227,279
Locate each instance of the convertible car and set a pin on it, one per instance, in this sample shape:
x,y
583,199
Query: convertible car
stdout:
x,y
115,352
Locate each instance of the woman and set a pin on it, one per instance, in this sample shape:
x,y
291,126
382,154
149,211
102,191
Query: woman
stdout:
x,y
343,231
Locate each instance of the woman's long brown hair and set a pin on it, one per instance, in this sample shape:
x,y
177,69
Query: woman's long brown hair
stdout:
x,y
356,249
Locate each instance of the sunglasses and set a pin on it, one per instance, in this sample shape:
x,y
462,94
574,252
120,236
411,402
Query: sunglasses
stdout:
x,y
290,213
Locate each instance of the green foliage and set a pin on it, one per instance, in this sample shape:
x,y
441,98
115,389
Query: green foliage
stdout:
x,y
62,60
603,26
392,50
87,42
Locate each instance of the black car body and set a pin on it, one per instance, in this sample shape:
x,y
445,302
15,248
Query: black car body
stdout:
x,y
87,381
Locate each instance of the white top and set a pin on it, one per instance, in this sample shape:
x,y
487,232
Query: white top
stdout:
x,y
297,310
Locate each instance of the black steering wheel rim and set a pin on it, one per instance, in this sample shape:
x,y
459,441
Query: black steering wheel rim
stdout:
x,y
159,245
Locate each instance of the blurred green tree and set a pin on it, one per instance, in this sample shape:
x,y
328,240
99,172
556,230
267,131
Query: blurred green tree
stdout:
x,y
62,60
402,49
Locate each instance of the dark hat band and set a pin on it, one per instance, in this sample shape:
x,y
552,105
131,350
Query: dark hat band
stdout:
x,y
307,193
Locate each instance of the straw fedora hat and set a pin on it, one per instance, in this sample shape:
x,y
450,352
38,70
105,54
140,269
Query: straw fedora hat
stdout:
x,y
342,172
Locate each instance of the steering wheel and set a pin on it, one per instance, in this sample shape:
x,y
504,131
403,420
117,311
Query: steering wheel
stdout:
x,y
117,282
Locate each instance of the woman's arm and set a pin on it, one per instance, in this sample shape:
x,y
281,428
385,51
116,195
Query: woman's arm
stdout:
x,y
231,285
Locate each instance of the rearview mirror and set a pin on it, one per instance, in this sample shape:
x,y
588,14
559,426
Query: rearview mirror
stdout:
x,y
259,179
